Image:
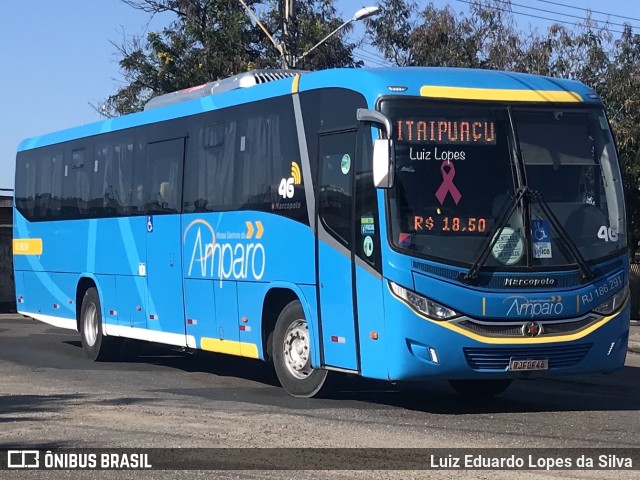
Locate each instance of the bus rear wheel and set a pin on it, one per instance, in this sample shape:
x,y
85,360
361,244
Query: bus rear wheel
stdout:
x,y
96,345
292,354
480,388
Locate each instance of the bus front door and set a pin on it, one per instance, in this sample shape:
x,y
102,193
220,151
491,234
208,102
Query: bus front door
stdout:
x,y
334,244
165,311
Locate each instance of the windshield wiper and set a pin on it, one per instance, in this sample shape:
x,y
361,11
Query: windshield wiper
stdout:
x,y
472,275
565,239
534,196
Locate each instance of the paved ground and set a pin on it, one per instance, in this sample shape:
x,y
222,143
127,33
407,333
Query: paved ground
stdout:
x,y
51,396
634,336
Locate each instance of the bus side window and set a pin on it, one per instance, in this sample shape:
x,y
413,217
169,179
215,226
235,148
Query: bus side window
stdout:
x,y
164,174
335,190
366,219
49,172
210,167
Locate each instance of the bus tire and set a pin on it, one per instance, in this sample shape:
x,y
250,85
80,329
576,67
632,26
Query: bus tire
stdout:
x,y
95,344
291,351
480,388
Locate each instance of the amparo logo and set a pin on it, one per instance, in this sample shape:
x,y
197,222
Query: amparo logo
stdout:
x,y
225,255
523,307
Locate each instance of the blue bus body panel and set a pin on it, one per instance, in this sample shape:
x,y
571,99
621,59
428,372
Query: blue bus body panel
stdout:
x,y
127,239
336,298
65,283
79,245
131,302
200,308
165,311
108,297
225,293
250,313
372,322
75,249
39,293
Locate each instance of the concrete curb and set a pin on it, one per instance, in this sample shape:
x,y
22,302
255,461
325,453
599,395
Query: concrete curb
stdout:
x,y
634,347
634,336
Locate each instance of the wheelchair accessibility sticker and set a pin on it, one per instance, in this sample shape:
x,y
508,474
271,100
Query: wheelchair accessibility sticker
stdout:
x,y
541,236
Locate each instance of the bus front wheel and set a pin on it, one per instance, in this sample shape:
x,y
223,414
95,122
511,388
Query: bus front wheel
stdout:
x,y
95,344
292,354
480,388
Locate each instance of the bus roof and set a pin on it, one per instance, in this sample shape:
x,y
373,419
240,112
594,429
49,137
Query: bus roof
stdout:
x,y
431,82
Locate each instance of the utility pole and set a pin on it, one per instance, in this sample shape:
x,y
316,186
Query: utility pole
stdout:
x,y
287,7
278,46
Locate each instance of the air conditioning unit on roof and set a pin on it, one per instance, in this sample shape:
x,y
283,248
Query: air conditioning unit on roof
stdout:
x,y
243,80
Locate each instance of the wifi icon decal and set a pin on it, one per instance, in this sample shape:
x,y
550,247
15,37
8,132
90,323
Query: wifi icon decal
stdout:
x,y
295,173
286,188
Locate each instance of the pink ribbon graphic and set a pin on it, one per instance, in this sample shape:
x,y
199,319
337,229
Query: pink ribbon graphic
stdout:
x,y
447,185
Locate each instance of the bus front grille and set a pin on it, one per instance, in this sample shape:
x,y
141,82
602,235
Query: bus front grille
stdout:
x,y
496,358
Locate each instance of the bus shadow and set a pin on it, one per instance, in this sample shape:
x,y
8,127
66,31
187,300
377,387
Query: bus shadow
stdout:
x,y
193,361
613,392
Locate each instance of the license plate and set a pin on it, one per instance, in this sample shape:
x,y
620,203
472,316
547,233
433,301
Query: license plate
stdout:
x,y
520,365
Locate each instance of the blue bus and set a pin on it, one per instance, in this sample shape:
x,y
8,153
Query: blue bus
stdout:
x,y
395,223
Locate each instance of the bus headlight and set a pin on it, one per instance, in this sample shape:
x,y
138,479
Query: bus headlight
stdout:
x,y
614,303
421,304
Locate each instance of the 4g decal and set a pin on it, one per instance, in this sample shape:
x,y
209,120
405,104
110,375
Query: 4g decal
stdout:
x,y
286,188
608,234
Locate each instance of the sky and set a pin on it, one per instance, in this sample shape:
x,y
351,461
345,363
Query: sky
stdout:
x,y
58,59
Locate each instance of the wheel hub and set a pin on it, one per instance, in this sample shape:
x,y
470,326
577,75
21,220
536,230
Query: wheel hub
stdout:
x,y
91,324
297,350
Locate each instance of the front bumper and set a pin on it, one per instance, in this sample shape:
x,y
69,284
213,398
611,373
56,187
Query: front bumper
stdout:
x,y
419,348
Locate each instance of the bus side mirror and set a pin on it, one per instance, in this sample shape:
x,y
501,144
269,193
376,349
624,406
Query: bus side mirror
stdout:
x,y
383,163
383,151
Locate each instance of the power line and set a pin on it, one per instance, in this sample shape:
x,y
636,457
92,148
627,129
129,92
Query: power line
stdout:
x,y
369,57
373,57
588,10
469,2
565,14
374,61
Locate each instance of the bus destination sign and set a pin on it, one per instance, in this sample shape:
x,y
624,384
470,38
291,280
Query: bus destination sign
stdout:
x,y
443,131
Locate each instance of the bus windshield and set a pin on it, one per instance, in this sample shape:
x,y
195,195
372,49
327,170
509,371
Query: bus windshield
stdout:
x,y
456,175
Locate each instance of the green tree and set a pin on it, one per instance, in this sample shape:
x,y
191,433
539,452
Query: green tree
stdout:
x,y
486,37
440,37
391,31
311,22
622,98
212,39
200,44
